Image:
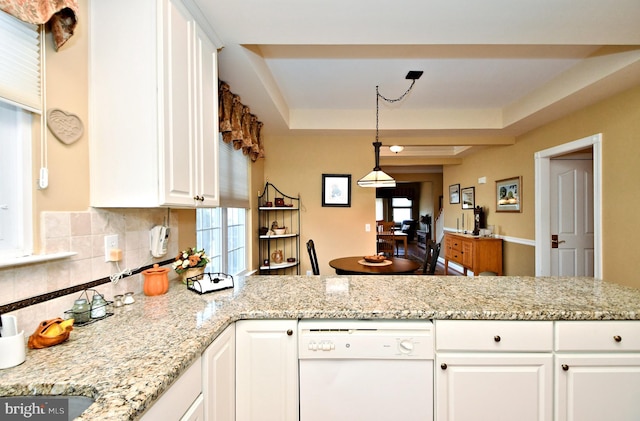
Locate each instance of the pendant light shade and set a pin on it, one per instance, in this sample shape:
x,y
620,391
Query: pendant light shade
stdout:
x,y
377,177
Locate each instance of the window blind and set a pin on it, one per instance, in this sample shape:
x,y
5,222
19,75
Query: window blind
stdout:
x,y
20,82
234,177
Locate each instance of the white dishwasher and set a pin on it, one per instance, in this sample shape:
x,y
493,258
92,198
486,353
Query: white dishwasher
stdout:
x,y
373,370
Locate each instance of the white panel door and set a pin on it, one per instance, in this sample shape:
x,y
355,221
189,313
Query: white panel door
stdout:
x,y
206,148
601,387
179,106
266,370
219,377
496,387
572,217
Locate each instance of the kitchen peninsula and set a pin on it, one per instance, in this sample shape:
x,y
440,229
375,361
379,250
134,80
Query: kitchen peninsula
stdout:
x,y
128,360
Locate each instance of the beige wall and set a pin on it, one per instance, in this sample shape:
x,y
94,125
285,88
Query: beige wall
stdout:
x,y
66,87
296,164
618,119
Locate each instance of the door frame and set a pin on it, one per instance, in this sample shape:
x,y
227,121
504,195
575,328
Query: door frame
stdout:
x,y
543,213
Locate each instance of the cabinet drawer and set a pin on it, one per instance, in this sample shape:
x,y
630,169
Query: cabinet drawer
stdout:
x,y
598,336
455,244
455,256
497,336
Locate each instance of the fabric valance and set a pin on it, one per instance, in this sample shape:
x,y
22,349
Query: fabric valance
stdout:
x,y
61,14
237,125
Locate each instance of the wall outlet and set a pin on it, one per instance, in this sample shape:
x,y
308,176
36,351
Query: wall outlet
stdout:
x,y
367,227
110,243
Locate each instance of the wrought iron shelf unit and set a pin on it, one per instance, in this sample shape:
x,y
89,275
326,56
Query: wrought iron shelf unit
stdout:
x,y
279,251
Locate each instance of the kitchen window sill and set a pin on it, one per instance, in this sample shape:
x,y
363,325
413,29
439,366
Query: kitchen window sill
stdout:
x,y
33,259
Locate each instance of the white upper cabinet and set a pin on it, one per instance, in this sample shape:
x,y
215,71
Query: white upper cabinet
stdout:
x,y
153,106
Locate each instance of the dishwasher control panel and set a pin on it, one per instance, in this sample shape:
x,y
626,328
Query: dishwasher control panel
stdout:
x,y
365,339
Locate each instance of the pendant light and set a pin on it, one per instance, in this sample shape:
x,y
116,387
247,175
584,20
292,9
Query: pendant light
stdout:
x,y
377,177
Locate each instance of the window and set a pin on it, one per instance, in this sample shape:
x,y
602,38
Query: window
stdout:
x,y
15,195
379,209
221,232
402,208
20,96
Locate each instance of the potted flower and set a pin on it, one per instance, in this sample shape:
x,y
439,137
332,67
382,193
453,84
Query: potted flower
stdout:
x,y
190,263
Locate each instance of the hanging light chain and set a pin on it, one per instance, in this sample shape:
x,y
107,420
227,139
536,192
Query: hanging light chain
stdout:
x,y
401,97
390,100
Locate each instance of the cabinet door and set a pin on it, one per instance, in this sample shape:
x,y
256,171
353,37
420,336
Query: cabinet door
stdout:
x,y
467,254
471,387
177,171
448,247
266,370
219,377
591,387
206,147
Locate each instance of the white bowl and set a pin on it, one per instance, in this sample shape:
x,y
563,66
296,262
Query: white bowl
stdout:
x,y
280,231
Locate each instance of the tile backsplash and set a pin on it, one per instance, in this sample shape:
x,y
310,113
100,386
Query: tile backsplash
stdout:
x,y
83,233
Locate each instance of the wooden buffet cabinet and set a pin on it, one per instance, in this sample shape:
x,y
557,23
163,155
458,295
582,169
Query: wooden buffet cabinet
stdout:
x,y
478,254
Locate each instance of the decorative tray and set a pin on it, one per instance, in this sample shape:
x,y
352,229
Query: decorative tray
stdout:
x,y
209,282
383,263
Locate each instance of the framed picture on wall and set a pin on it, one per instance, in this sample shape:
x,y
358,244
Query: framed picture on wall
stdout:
x,y
336,190
454,193
468,197
509,195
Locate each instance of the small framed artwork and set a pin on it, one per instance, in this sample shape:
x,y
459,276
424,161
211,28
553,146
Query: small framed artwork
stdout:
x,y
454,193
468,197
336,190
509,195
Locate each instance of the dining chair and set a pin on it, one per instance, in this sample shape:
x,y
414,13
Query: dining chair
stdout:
x,y
311,248
386,246
431,259
387,225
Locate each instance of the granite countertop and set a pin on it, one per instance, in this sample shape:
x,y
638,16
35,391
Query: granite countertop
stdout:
x,y
126,361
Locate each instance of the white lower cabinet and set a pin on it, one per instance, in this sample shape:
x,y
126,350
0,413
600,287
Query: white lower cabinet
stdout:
x,y
485,370
266,370
219,375
183,400
494,370
196,411
597,371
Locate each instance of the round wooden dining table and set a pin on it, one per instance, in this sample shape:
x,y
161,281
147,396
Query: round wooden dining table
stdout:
x,y
353,266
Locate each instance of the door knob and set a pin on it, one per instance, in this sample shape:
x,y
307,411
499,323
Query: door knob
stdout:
x,y
555,241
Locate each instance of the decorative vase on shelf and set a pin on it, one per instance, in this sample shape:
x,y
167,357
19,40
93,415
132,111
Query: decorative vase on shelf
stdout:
x,y
191,272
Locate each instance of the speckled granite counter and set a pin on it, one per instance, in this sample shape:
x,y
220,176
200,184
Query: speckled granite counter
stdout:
x,y
126,361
